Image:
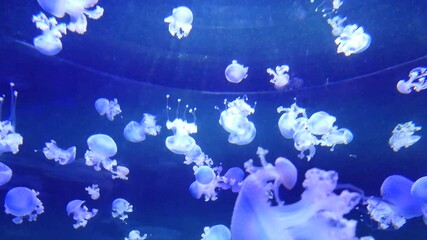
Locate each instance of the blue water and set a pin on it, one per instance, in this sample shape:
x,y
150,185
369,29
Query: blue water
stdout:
x,y
128,54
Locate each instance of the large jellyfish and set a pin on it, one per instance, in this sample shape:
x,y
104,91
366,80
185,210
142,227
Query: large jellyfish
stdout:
x,y
108,108
136,235
318,215
101,148
93,191
234,119
180,22
49,42
419,192
217,232
10,140
403,136
417,81
22,202
80,212
120,207
280,76
63,157
352,40
78,10
5,174
136,132
236,72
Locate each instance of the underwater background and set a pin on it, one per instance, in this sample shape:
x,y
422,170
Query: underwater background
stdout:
x,y
129,54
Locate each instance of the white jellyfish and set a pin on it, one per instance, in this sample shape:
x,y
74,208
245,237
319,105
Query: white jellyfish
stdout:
x,y
10,140
204,174
136,235
101,148
236,72
63,157
136,132
288,121
320,123
352,40
337,25
280,76
78,10
108,108
180,22
217,232
403,136
93,191
417,81
304,140
120,172
336,136
80,212
5,174
22,202
49,42
120,207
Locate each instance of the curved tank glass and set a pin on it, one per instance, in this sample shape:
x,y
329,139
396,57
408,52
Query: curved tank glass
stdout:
x,y
319,135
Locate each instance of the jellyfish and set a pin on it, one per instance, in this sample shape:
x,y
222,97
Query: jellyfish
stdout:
x,y
320,123
381,212
10,140
5,174
22,202
93,191
49,42
236,72
217,232
135,235
180,22
63,157
204,174
120,207
280,76
336,136
233,179
304,140
181,142
136,132
403,136
101,148
80,212
417,81
352,40
419,192
288,121
320,210
108,108
78,10
337,25
120,172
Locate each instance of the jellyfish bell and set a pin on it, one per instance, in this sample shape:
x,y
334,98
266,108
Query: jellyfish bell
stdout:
x,y
403,87
134,132
101,106
287,171
120,207
102,144
419,190
217,232
23,202
54,7
236,72
320,123
180,144
204,175
80,212
5,174
48,44
180,22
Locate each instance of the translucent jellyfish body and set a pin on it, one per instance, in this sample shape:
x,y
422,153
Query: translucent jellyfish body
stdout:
x,y
403,136
136,132
236,72
10,140
136,235
120,207
180,22
181,142
93,191
5,174
336,136
49,42
108,108
78,10
417,81
234,119
22,202
101,148
120,172
352,40
280,76
80,212
217,232
320,123
288,122
63,157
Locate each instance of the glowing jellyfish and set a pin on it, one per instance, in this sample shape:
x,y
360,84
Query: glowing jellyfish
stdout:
x,y
5,174
120,207
403,136
136,235
204,175
78,10
217,232
337,25
336,136
63,157
49,42
280,76
419,190
108,108
93,191
101,148
233,179
22,202
383,214
10,140
288,121
120,172
136,132
80,212
236,72
352,40
305,141
180,22
417,81
320,123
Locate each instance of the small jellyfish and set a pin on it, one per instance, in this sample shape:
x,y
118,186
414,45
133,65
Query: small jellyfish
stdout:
x,y
108,108
352,40
22,202
336,136
217,232
49,42
320,123
93,191
180,142
280,76
288,121
204,175
101,148
180,22
120,172
305,141
233,179
120,207
136,235
10,140
80,212
136,132
63,157
417,81
236,72
5,174
403,136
